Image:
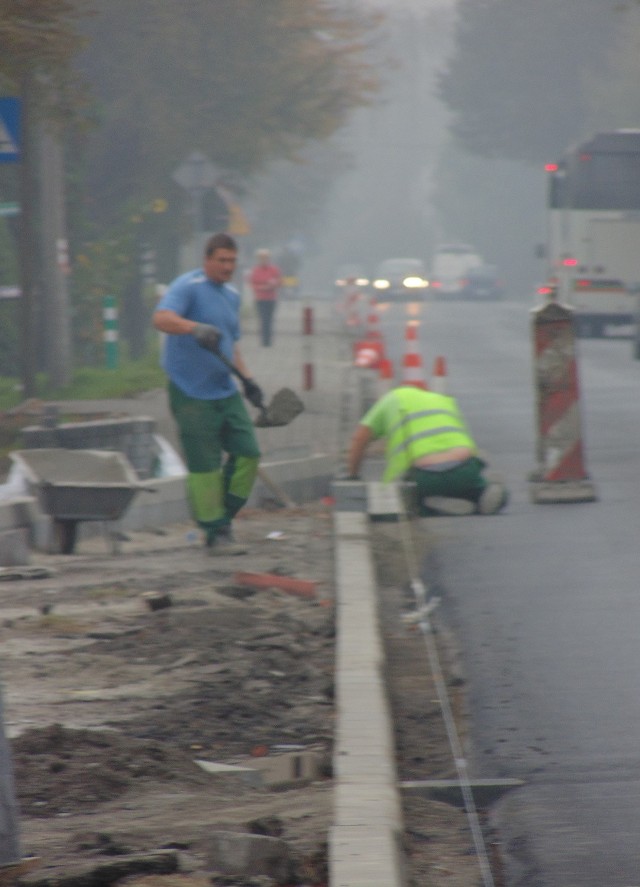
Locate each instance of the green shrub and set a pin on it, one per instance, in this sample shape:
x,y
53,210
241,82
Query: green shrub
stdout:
x,y
93,383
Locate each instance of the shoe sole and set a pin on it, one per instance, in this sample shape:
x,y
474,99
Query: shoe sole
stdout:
x,y
449,507
225,550
493,499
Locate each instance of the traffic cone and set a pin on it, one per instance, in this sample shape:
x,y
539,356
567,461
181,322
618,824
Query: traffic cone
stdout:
x,y
371,350
439,375
412,368
386,368
367,354
386,376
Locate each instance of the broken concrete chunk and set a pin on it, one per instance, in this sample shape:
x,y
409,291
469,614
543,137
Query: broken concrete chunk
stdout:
x,y
157,600
239,854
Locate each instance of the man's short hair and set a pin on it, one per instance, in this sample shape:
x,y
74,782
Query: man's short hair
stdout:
x,y
219,241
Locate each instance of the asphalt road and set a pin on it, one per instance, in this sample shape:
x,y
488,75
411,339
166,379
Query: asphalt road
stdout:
x,y
546,602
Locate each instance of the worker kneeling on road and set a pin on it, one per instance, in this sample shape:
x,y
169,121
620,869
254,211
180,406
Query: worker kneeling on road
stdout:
x,y
427,442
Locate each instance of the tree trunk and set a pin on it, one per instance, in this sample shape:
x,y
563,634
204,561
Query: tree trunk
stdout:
x,y
55,316
28,241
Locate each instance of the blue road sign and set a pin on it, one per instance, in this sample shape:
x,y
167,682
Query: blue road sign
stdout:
x,y
9,130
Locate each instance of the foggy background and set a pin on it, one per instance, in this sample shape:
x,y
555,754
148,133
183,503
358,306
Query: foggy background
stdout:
x,y
401,185
339,131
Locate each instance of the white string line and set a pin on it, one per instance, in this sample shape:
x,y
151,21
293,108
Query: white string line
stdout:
x,y
423,608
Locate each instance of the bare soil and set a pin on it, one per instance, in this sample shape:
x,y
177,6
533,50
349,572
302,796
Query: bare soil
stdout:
x,y
110,702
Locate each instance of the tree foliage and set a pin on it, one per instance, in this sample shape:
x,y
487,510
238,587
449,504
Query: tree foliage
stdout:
x,y
248,82
39,39
613,94
244,81
518,82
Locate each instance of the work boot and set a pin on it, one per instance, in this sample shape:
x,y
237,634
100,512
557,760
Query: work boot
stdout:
x,y
493,499
223,545
222,541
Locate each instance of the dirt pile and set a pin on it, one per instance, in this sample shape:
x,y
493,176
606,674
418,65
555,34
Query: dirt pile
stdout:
x,y
62,772
110,703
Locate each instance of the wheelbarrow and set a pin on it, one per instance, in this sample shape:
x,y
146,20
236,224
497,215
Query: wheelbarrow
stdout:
x,y
78,485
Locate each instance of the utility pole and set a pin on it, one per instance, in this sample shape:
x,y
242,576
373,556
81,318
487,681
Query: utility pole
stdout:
x,y
28,239
55,315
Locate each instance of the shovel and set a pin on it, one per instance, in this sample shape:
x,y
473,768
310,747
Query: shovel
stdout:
x,y
285,404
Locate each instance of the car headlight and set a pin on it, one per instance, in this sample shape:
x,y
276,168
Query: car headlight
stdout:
x,y
415,282
381,284
362,281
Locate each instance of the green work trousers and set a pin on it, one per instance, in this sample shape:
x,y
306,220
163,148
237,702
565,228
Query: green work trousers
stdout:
x,y
464,481
208,430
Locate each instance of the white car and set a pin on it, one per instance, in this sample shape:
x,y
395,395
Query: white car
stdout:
x,y
451,265
351,275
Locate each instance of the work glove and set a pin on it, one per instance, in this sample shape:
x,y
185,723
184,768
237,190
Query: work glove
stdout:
x,y
253,393
207,336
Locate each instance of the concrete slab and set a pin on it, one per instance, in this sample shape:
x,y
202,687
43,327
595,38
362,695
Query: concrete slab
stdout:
x,y
364,849
15,549
365,858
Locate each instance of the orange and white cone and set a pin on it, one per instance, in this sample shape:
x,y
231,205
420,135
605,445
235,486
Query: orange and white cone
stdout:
x,y
371,350
439,375
386,376
412,367
367,355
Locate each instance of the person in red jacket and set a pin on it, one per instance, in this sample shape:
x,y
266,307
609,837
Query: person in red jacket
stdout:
x,y
265,279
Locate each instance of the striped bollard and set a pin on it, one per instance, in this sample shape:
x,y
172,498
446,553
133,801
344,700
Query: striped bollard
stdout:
x,y
561,475
110,331
307,331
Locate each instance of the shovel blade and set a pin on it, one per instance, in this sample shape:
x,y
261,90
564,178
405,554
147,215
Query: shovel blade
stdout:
x,y
284,407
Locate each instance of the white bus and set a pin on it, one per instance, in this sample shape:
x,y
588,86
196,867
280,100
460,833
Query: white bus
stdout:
x,y
593,231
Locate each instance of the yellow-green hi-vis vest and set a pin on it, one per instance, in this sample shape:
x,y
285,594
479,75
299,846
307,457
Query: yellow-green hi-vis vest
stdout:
x,y
416,423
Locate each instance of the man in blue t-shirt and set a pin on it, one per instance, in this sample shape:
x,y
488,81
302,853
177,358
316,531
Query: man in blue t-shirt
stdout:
x,y
200,314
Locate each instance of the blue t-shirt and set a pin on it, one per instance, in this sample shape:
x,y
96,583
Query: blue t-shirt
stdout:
x,y
196,371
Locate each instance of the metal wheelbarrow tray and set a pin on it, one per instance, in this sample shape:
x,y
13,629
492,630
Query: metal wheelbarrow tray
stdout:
x,y
78,485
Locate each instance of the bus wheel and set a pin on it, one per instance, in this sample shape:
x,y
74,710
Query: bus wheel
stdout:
x,y
590,328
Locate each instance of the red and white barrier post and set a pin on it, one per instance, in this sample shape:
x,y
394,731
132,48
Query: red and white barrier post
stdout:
x,y
307,367
561,475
